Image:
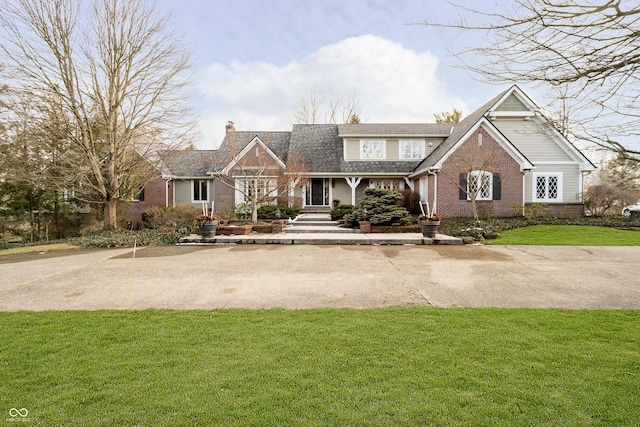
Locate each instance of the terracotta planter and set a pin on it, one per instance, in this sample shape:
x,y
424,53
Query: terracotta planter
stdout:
x,y
430,228
208,229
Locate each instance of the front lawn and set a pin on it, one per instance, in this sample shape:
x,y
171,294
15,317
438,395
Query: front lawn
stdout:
x,y
396,366
570,235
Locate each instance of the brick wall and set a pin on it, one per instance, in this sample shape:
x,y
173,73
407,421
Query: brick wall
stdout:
x,y
130,212
224,196
487,156
565,210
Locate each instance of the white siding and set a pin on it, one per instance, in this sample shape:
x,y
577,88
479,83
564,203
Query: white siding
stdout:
x,y
570,182
352,147
532,140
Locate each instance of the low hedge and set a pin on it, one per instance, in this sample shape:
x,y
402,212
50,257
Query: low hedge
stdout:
x,y
269,212
340,211
127,238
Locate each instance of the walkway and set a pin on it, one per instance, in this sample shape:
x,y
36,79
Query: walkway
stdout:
x,y
318,229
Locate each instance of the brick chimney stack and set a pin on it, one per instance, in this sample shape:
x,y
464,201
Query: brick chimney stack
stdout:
x,y
230,127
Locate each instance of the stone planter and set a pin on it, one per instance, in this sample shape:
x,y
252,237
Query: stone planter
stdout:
x,y
365,226
208,229
235,230
430,228
278,225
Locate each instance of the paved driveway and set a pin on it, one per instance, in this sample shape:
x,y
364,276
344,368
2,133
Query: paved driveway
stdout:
x,y
304,276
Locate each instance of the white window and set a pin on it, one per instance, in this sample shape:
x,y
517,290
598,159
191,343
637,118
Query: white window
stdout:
x,y
411,149
387,184
265,188
372,149
480,185
547,187
199,190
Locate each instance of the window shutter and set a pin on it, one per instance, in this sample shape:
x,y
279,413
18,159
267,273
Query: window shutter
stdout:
x,y
141,195
497,186
463,186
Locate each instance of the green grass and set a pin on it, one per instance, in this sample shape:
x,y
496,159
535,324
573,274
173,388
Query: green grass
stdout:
x,y
571,235
398,366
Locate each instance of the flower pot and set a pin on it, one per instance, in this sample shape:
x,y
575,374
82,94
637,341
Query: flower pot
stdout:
x,y
208,229
430,228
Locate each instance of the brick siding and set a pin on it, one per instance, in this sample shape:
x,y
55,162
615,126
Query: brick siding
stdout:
x,y
469,156
130,214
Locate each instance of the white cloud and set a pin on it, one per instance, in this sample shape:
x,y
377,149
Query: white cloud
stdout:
x,y
390,83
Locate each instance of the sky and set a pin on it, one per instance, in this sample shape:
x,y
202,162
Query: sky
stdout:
x,y
255,59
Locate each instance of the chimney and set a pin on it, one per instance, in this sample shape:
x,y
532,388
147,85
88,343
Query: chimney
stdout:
x,y
230,127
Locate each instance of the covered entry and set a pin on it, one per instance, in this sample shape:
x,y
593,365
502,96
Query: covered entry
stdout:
x,y
317,192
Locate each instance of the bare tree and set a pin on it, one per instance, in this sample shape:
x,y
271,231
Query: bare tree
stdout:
x,y
448,117
312,109
589,50
114,73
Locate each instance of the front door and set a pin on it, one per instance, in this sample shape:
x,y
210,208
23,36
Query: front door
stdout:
x,y
317,191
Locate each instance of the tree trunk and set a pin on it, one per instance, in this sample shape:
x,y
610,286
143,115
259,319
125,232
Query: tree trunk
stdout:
x,y
110,215
254,205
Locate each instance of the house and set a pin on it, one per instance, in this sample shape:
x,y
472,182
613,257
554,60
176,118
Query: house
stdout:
x,y
500,158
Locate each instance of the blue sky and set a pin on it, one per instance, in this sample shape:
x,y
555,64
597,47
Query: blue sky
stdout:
x,y
255,59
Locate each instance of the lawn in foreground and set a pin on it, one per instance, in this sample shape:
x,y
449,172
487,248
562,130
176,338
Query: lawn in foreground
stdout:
x,y
570,235
396,366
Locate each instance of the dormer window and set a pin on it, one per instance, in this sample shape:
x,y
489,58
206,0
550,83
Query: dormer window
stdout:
x,y
372,149
411,149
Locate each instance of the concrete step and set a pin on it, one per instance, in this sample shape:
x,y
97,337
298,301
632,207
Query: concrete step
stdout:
x,y
313,223
313,217
303,228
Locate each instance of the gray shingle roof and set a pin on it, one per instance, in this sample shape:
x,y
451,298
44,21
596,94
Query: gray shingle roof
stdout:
x,y
394,129
321,148
188,163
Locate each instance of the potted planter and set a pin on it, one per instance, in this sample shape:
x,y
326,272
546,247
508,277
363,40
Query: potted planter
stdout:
x,y
429,228
208,224
208,229
429,225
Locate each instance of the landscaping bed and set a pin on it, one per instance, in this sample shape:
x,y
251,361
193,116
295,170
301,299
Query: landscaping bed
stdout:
x,y
396,228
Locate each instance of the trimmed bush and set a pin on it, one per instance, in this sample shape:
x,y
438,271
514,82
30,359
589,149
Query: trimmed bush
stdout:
x,y
383,208
340,211
170,218
269,212
411,201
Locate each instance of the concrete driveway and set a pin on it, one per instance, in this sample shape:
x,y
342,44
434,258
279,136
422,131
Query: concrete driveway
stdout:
x,y
306,276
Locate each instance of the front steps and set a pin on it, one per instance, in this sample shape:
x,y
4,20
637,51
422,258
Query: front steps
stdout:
x,y
315,223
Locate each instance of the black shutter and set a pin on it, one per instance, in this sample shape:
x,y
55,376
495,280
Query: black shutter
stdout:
x,y
497,186
463,186
141,195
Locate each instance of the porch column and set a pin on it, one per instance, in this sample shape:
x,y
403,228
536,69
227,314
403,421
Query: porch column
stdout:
x,y
353,183
409,183
293,183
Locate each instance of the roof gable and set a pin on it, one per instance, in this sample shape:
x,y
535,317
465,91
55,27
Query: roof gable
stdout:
x,y
513,103
502,141
257,143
